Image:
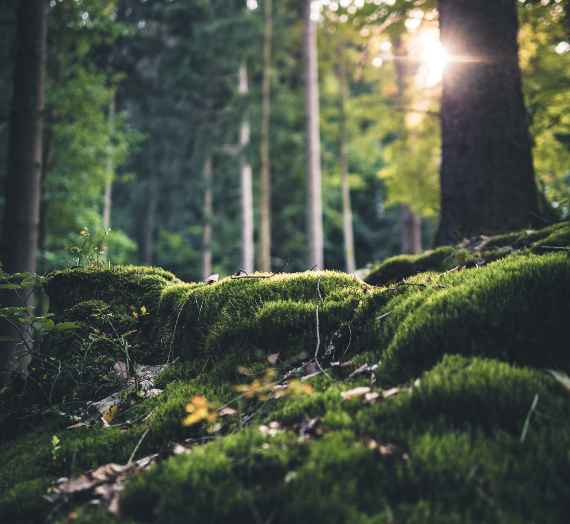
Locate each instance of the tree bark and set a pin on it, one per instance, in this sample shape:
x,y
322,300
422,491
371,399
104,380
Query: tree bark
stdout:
x,y
313,143
347,226
265,175
487,176
22,212
207,212
247,245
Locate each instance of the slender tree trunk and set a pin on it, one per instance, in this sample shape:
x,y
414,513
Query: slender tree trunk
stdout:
x,y
487,177
207,212
247,245
44,202
410,223
265,178
22,212
108,196
410,230
149,222
347,226
313,145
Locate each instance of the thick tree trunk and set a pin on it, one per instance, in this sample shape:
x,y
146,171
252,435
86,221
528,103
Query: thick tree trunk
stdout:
x,y
347,227
207,213
411,231
265,175
22,212
313,145
247,246
487,177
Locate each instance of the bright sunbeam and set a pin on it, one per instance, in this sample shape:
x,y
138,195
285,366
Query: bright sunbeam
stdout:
x,y
433,58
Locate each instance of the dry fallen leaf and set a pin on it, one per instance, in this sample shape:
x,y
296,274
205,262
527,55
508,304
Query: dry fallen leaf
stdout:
x,y
273,358
390,392
227,412
214,277
355,393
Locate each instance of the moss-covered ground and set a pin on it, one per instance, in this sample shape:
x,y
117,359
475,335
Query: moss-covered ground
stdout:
x,y
460,419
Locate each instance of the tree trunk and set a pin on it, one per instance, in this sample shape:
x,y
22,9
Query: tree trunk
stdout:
x,y
411,231
149,221
487,177
108,196
247,249
410,223
22,212
347,227
265,175
207,212
313,143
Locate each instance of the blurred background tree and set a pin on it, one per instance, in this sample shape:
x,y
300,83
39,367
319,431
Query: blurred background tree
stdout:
x,y
143,94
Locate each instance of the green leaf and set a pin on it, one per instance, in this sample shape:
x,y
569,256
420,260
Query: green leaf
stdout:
x,y
66,326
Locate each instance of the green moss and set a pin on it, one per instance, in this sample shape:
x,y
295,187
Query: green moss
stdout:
x,y
515,309
446,450
460,466
475,252
398,268
125,285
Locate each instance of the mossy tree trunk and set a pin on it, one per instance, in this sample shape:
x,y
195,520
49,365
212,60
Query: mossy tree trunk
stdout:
x,y
313,142
487,177
25,156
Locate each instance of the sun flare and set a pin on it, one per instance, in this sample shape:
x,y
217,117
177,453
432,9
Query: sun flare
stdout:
x,y
433,58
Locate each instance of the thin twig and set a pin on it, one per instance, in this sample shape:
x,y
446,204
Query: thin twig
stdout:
x,y
528,417
138,446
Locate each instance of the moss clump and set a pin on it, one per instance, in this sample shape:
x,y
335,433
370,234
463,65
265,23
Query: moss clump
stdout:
x,y
125,285
245,319
404,266
439,462
514,309
473,252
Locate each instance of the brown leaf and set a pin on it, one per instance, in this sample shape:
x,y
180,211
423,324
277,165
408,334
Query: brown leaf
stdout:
x,y
227,412
214,277
355,393
273,358
387,393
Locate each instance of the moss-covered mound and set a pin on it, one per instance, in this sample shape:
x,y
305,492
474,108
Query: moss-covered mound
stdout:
x,y
430,400
473,252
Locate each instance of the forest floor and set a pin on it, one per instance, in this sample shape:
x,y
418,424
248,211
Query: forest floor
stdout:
x,y
434,391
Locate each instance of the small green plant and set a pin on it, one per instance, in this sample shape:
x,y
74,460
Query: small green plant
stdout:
x,y
90,249
55,448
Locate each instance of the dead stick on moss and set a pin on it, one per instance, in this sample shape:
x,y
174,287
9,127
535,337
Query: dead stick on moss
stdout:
x,y
138,446
528,417
240,277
